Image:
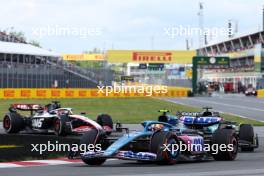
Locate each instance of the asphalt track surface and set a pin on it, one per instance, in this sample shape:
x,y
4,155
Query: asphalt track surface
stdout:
x,y
250,107
245,164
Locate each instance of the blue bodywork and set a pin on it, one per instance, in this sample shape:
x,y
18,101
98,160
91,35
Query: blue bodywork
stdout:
x,y
114,149
190,120
173,123
121,142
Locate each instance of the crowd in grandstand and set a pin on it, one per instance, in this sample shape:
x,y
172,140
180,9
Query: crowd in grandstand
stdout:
x,y
30,69
234,45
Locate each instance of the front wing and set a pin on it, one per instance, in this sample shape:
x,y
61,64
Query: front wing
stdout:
x,y
125,155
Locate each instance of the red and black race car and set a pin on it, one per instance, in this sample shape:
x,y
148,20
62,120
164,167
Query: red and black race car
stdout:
x,y
52,118
250,91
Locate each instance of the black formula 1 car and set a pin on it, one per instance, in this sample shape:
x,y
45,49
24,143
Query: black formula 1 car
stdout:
x,y
52,118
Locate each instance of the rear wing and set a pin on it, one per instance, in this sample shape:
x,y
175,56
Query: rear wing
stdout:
x,y
193,114
199,114
26,107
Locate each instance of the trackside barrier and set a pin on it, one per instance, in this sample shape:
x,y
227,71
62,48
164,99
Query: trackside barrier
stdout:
x,y
22,146
260,93
39,93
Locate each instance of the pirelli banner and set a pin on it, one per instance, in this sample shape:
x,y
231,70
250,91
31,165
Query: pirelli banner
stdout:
x,y
20,93
151,56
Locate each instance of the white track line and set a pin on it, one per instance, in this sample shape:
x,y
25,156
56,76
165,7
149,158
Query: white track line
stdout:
x,y
40,163
229,105
185,104
9,165
51,162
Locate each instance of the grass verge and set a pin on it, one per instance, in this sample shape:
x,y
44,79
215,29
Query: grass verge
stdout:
x,y
125,110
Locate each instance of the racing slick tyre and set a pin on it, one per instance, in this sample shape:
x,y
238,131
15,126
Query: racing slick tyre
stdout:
x,y
94,137
164,156
228,138
13,122
60,125
246,133
106,122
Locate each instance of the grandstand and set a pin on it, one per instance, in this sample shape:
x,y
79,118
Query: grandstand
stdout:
x,y
246,60
25,66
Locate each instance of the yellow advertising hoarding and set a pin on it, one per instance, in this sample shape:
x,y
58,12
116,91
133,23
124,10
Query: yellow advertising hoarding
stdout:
x,y
257,58
151,56
239,54
84,57
260,93
39,93
245,53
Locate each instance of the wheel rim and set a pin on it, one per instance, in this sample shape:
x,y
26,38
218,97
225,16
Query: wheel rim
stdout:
x,y
57,125
172,154
7,122
234,152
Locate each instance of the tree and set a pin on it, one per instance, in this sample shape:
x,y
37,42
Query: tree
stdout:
x,y
35,43
93,51
19,35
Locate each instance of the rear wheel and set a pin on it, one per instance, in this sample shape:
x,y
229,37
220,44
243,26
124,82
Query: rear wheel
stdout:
x,y
13,122
93,137
106,122
164,156
246,133
228,138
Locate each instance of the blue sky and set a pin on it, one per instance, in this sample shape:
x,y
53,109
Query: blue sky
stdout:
x,y
124,24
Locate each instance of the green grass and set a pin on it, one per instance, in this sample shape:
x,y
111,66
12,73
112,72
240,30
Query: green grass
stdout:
x,y
125,110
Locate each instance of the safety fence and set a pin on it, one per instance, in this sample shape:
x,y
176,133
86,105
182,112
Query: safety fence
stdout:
x,y
42,93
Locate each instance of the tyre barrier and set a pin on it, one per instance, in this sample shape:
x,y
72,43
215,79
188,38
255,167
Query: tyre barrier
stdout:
x,y
14,147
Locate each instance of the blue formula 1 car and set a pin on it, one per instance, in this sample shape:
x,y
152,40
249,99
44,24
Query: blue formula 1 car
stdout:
x,y
209,121
161,141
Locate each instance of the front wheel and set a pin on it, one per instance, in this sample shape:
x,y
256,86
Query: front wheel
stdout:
x,y
60,125
106,122
157,145
94,137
